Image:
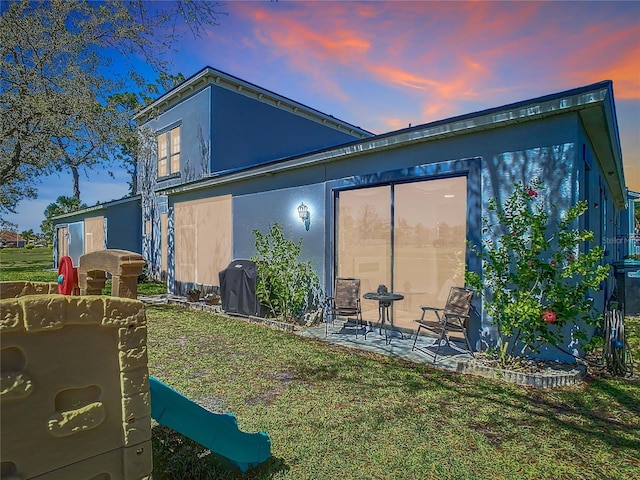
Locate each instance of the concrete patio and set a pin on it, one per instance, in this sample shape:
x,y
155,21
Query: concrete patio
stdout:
x,y
448,356
451,356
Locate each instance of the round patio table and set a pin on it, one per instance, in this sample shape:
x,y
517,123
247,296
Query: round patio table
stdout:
x,y
385,301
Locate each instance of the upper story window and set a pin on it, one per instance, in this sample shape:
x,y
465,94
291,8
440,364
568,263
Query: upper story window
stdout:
x,y
169,152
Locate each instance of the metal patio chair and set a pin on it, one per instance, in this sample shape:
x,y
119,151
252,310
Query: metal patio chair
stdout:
x,y
345,303
452,318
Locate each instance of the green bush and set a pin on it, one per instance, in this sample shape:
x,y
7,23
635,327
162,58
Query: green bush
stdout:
x,y
29,246
286,287
536,279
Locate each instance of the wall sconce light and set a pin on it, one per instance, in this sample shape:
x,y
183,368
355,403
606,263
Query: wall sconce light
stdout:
x,y
305,216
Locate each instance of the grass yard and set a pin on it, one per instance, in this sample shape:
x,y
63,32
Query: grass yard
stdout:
x,y
333,413
36,265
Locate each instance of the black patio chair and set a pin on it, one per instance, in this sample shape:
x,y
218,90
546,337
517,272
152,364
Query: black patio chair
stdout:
x,y
345,303
452,318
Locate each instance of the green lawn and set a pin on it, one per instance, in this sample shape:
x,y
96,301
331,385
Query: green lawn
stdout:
x,y
36,265
335,413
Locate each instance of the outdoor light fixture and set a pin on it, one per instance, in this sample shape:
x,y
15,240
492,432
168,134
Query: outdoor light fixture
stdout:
x,y
305,216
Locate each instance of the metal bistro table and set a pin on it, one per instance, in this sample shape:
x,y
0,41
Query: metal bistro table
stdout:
x,y
384,303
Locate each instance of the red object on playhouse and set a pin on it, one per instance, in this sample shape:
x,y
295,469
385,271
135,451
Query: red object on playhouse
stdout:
x,y
67,277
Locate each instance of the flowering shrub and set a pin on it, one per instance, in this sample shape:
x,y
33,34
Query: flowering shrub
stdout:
x,y
550,316
536,278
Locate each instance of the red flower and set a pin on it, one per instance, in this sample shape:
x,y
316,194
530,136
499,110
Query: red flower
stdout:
x,y
530,263
549,316
532,193
571,257
552,262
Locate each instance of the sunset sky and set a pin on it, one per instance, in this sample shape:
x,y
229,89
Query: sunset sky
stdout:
x,y
385,65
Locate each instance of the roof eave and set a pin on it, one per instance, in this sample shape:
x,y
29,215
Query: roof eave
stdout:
x,y
98,207
602,129
211,76
594,103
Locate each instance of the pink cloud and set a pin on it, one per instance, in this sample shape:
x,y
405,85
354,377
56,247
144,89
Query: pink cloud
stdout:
x,y
394,123
325,47
444,55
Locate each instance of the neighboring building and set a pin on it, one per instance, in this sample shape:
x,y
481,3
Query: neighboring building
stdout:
x,y
398,209
113,225
11,239
628,240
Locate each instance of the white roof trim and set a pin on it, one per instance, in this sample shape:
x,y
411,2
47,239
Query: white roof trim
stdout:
x,y
211,76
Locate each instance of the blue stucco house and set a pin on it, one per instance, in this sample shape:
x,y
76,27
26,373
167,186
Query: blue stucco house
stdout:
x,y
215,129
113,225
225,157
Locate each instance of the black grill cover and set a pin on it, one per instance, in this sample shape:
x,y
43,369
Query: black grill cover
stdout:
x,y
238,288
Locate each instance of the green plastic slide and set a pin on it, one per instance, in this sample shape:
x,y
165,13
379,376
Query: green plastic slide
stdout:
x,y
218,432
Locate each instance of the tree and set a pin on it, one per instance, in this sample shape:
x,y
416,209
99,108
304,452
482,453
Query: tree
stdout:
x,y
57,60
7,225
61,206
27,235
129,137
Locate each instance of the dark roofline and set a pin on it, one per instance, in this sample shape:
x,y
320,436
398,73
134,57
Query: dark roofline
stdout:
x,y
98,207
209,75
608,84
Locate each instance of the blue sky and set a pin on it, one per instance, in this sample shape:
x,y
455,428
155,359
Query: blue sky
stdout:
x,y
385,65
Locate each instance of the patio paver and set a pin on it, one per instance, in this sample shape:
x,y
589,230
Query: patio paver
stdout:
x,y
448,356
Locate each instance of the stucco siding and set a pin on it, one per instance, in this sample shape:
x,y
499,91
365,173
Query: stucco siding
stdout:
x,y
193,116
246,132
124,230
280,206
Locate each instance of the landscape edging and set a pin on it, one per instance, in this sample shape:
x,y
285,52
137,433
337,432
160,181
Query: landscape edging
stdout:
x,y
548,379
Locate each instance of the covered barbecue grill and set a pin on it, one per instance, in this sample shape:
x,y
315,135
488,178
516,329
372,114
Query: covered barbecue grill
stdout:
x,y
238,288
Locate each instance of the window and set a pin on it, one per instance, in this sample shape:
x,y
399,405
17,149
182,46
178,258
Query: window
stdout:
x,y
175,150
162,155
169,152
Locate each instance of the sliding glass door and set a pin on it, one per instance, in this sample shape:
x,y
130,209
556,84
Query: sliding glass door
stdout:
x,y
363,240
410,237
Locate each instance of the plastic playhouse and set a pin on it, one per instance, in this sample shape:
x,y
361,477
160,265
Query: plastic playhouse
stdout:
x,y
76,397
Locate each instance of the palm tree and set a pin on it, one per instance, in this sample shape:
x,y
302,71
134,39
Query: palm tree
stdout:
x,y
27,236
